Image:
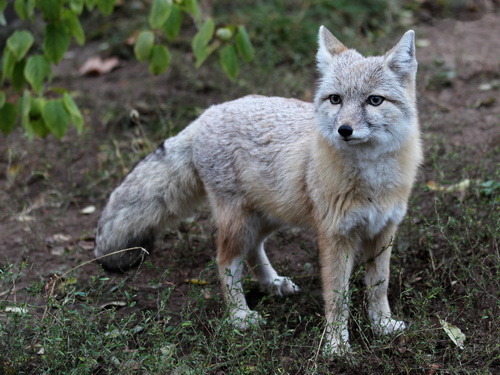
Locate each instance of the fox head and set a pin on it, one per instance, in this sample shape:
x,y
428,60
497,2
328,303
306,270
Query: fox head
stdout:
x,y
366,103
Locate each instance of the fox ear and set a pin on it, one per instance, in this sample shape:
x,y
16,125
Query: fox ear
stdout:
x,y
328,46
401,58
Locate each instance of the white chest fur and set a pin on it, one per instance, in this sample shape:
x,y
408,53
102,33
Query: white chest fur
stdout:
x,y
371,219
380,178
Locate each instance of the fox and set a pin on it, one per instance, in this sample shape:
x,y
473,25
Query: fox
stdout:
x,y
342,167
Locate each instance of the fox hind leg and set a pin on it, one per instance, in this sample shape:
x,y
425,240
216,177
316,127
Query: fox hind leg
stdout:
x,y
237,233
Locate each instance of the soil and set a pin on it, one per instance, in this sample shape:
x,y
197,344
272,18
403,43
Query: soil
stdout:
x,y
45,184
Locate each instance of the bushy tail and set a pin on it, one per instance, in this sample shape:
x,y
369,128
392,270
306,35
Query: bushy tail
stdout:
x,y
161,190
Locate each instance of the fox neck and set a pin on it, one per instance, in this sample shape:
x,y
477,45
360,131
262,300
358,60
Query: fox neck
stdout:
x,y
368,168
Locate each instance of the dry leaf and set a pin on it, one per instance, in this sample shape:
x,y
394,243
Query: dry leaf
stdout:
x,y
113,304
97,66
16,310
195,281
422,43
454,333
58,250
458,187
86,245
88,210
59,237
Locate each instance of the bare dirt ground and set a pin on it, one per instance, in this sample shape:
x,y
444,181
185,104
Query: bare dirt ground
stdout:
x,y
45,184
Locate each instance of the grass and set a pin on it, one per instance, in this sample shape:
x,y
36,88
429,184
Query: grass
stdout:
x,y
444,267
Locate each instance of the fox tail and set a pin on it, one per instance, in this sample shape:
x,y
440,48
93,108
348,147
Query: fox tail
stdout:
x,y
160,191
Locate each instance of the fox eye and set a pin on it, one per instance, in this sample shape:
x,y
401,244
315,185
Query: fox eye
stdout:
x,y
335,99
375,100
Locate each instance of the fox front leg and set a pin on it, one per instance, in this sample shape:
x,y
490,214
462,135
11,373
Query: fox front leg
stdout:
x,y
378,254
337,262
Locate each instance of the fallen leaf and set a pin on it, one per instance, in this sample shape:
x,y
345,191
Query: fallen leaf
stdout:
x,y
434,367
454,333
86,245
113,304
88,210
97,66
195,281
25,218
13,171
422,43
485,103
58,250
59,237
16,310
458,187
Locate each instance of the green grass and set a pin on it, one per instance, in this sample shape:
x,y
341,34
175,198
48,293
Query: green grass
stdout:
x,y
444,268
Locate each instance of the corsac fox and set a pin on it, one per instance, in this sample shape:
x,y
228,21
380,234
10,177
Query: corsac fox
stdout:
x,y
342,166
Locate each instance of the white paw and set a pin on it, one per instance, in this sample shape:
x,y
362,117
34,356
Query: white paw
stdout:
x,y
281,286
336,348
246,319
387,326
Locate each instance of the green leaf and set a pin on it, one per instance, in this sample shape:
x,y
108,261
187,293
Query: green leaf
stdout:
x,y
144,45
90,4
18,80
244,45
3,5
74,112
160,11
8,117
74,26
51,9
37,122
160,59
56,42
8,62
229,61
106,6
201,40
24,104
36,71
56,117
24,8
192,7
2,99
173,24
19,43
76,6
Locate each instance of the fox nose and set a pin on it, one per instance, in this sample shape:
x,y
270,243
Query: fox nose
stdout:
x,y
345,130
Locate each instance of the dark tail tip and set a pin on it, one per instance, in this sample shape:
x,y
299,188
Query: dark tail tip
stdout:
x,y
133,253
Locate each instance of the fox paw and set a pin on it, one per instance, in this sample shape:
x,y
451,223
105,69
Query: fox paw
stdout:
x,y
246,319
388,326
281,286
337,348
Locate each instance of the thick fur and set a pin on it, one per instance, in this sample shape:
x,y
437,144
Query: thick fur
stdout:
x,y
268,162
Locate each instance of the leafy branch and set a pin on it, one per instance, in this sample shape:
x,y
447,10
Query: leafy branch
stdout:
x,y
26,97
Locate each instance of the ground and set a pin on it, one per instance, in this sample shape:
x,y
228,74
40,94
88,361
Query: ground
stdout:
x,y
49,188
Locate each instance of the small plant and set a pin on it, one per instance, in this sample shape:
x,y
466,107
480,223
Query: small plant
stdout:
x,y
26,66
